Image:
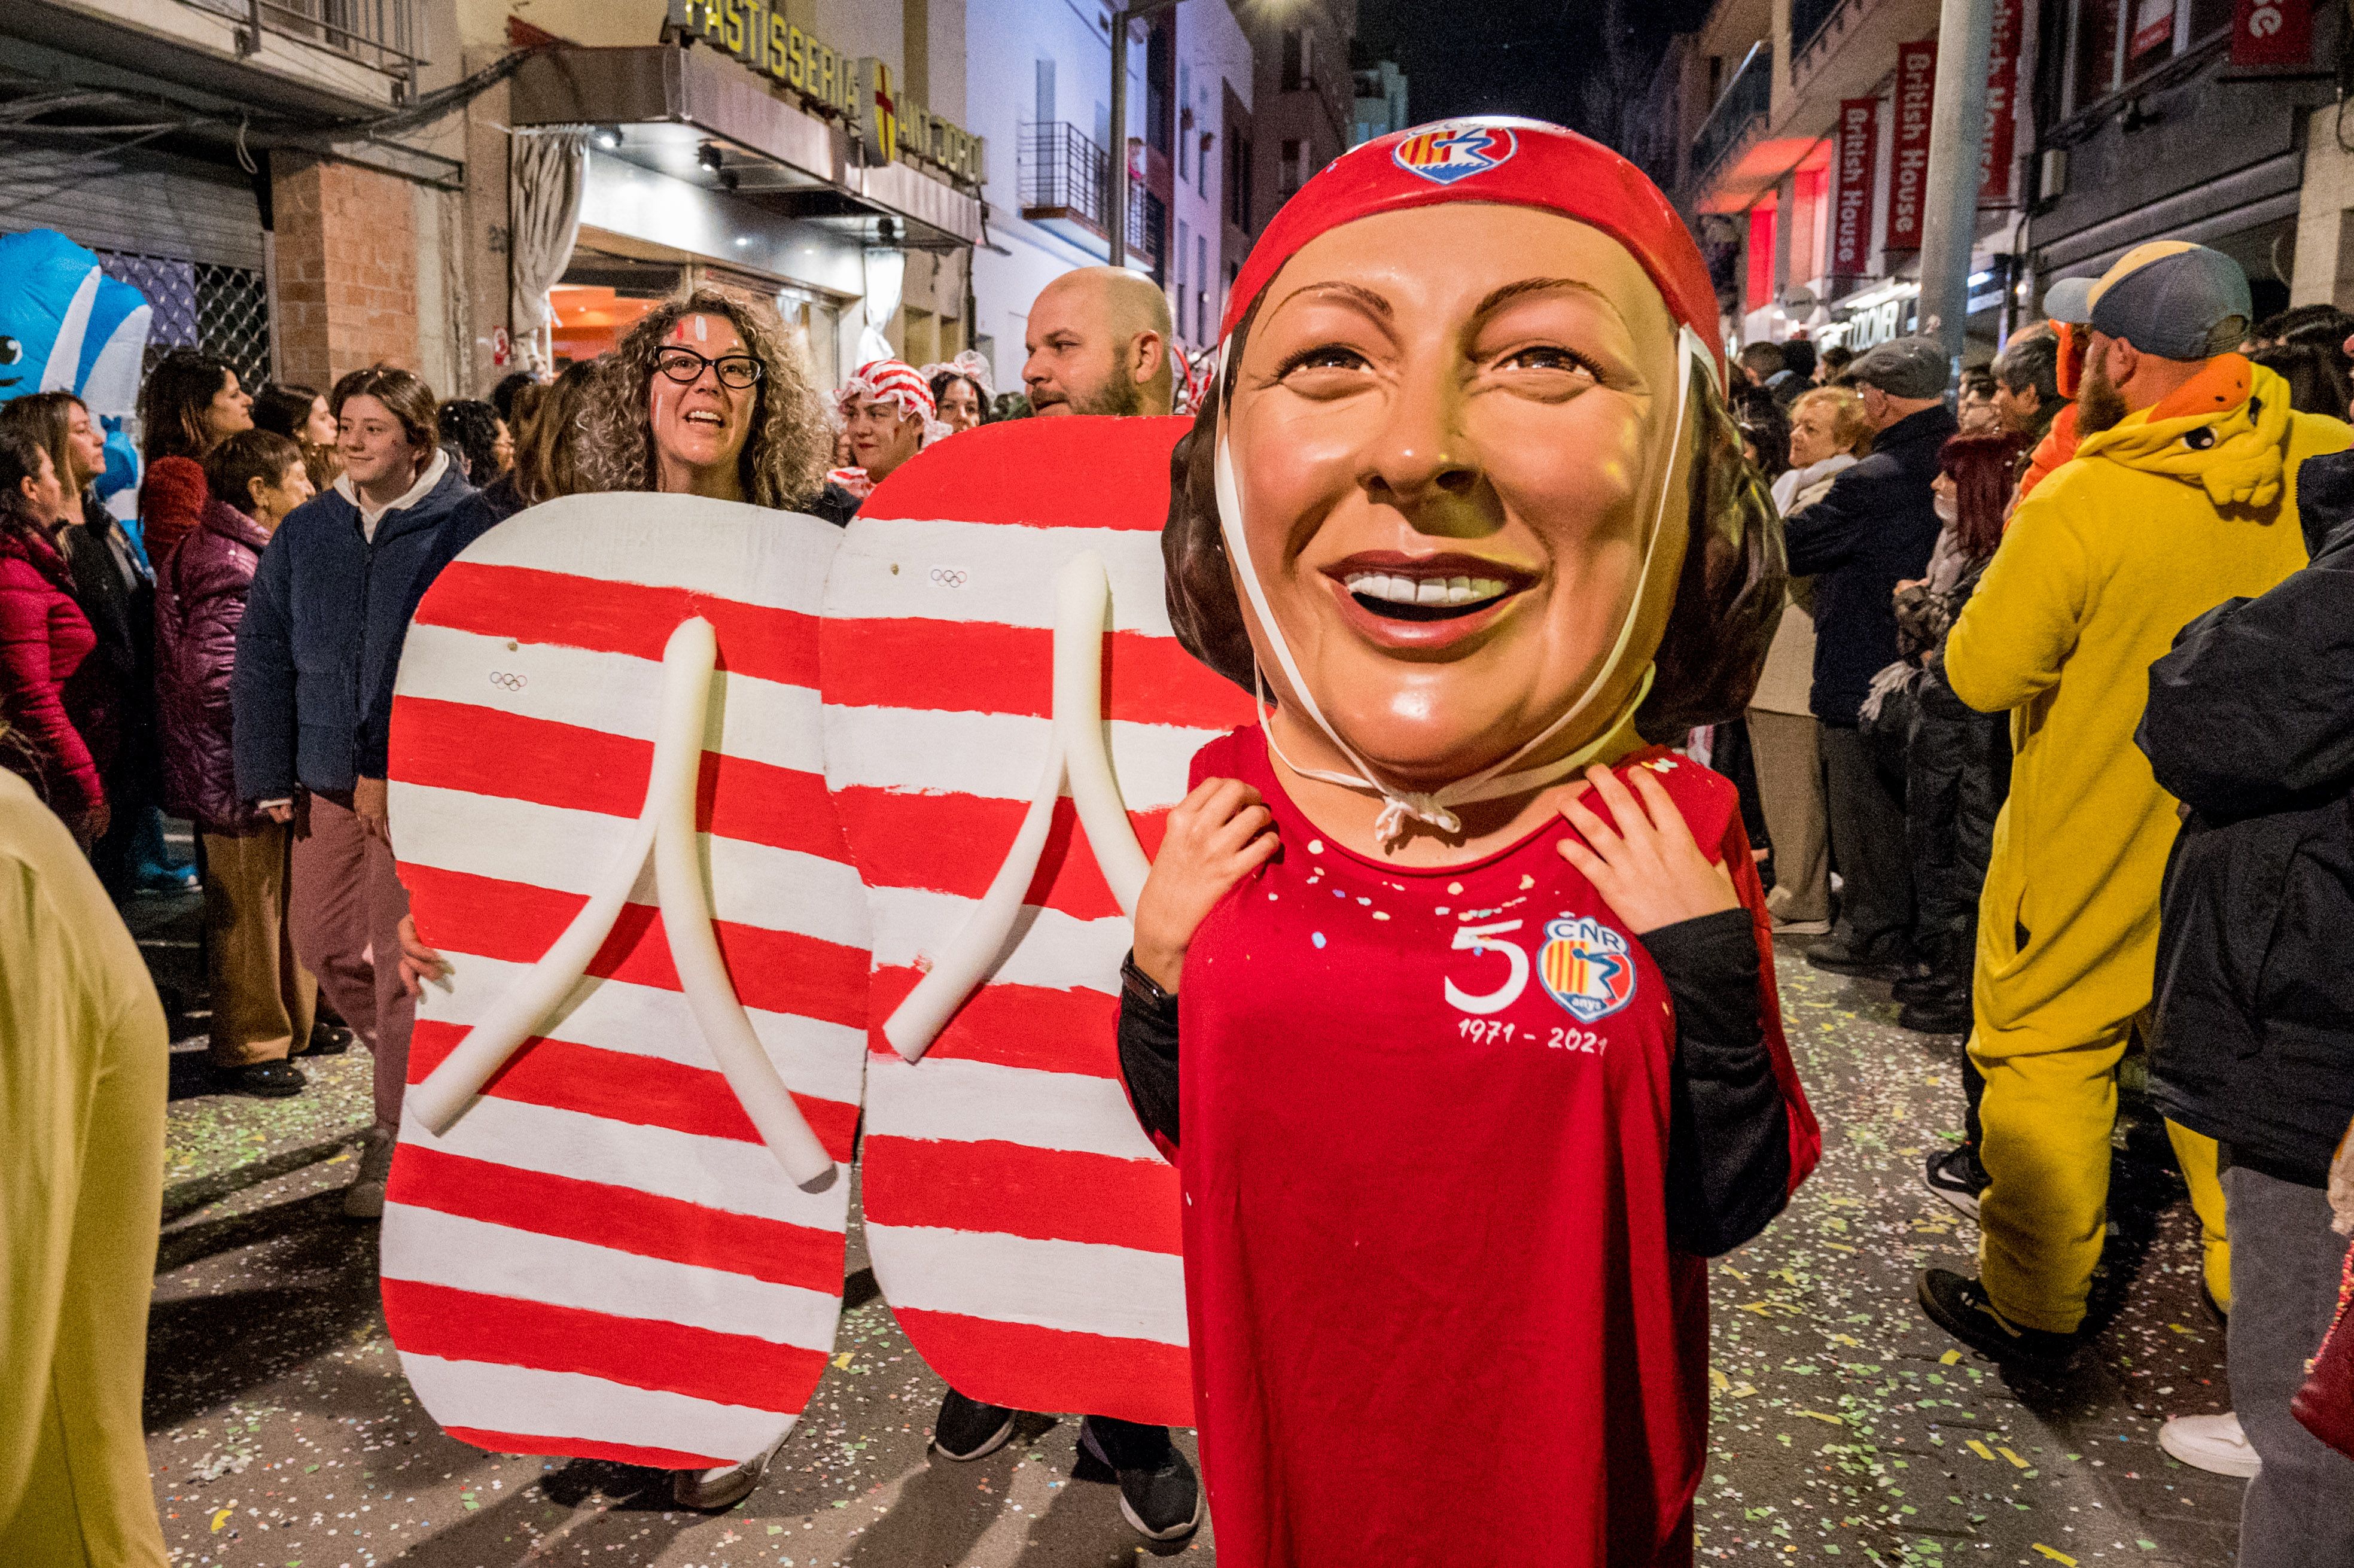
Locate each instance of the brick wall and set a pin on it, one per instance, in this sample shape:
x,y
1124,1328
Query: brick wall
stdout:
x,y
346,262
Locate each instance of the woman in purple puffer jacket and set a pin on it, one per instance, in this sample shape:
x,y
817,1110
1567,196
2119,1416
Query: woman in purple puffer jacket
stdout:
x,y
263,999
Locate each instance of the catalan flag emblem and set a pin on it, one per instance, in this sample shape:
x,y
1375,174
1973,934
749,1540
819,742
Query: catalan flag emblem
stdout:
x,y
1452,150
1588,966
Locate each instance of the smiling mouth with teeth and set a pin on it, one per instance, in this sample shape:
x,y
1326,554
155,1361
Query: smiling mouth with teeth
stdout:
x,y
1402,597
701,416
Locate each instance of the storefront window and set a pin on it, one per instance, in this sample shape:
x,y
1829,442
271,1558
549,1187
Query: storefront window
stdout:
x,y
2151,42
2096,50
1760,291
2207,18
2117,42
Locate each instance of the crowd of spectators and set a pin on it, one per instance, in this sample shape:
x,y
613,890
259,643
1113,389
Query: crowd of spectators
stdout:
x,y
227,655
2055,739
2079,717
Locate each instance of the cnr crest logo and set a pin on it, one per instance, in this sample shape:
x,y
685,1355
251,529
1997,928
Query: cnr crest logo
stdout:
x,y
1587,968
1453,151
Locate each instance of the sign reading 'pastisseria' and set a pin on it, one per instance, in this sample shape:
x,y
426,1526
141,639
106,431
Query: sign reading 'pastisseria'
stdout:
x,y
855,90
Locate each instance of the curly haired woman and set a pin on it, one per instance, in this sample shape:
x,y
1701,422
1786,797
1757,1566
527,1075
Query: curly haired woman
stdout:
x,y
706,396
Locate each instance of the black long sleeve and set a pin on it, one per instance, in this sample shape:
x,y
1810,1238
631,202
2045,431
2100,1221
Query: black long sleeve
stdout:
x,y
1147,1051
1729,1132
1729,1129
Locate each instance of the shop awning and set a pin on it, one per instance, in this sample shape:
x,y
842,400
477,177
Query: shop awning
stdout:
x,y
695,115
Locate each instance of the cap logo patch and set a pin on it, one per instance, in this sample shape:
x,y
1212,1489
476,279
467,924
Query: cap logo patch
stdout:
x,y
1450,152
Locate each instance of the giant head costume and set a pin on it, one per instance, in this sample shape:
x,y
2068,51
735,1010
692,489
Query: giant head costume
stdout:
x,y
1465,501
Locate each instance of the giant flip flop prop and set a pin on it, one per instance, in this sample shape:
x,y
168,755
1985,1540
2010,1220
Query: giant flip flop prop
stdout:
x,y
614,1227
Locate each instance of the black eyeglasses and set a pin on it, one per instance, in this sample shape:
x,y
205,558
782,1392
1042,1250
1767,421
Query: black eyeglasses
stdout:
x,y
685,366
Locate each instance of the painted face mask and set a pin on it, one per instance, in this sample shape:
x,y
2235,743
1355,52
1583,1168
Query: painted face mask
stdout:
x,y
1514,162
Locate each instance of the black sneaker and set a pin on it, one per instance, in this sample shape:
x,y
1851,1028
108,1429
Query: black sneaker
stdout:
x,y
263,1080
1937,1015
1930,986
328,1040
967,1429
1955,1175
1159,1494
1840,954
1959,1304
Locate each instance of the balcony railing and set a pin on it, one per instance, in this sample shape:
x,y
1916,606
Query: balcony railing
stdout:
x,y
1808,17
1065,182
383,34
1743,105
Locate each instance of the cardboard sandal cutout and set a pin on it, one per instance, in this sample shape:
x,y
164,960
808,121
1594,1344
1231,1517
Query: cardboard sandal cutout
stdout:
x,y
615,1222
1008,717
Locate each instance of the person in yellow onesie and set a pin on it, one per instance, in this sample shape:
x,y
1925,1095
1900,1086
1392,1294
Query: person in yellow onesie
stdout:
x,y
2182,493
83,1063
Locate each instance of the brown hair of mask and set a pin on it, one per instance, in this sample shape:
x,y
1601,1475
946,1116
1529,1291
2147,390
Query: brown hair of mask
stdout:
x,y
1729,592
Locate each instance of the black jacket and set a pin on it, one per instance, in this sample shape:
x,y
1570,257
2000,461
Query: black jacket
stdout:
x,y
1874,529
2251,724
117,679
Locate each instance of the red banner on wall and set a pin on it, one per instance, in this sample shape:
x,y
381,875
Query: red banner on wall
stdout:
x,y
1908,165
1854,153
1996,150
2272,33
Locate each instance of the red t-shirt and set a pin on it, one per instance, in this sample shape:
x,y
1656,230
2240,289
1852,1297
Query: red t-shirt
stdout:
x,y
1436,1319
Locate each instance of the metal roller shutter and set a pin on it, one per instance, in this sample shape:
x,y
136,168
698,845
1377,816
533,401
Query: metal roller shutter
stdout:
x,y
131,202
186,235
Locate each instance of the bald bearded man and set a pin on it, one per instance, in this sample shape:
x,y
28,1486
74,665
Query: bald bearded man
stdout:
x,y
1099,343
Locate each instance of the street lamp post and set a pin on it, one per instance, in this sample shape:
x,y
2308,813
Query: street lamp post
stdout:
x,y
1950,203
1123,12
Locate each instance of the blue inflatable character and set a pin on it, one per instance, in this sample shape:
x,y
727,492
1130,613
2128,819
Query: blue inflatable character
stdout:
x,y
67,326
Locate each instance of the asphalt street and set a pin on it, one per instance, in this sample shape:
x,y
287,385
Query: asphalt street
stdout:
x,y
1846,1427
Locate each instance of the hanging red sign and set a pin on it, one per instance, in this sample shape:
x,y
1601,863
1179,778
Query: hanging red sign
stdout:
x,y
1853,156
2272,33
2152,29
1908,167
1996,149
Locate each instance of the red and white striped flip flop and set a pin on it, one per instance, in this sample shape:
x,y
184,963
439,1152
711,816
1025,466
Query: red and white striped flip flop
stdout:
x,y
613,1227
1022,1227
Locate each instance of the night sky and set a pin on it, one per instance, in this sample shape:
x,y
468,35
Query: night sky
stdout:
x,y
1545,58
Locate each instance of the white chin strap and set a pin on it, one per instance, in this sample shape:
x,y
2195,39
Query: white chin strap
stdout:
x,y
1499,779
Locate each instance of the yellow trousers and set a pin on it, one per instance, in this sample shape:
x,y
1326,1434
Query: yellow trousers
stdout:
x,y
2049,1108
83,1064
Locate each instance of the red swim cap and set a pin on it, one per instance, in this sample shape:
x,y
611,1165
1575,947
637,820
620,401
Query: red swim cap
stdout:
x,y
1512,163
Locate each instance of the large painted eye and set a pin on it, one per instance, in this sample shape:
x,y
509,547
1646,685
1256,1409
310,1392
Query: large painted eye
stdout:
x,y
11,351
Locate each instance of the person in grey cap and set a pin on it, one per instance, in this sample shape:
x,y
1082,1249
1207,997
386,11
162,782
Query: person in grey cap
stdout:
x,y
2182,493
1875,530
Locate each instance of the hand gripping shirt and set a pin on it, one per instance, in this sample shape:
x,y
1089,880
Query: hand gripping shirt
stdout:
x,y
1437,1309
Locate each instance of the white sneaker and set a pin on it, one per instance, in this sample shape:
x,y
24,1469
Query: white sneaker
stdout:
x,y
724,1485
2212,1442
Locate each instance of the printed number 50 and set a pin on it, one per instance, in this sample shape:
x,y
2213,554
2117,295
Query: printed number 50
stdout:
x,y
1483,939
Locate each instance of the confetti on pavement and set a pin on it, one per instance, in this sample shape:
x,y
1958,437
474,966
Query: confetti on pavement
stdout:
x,y
1846,1428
